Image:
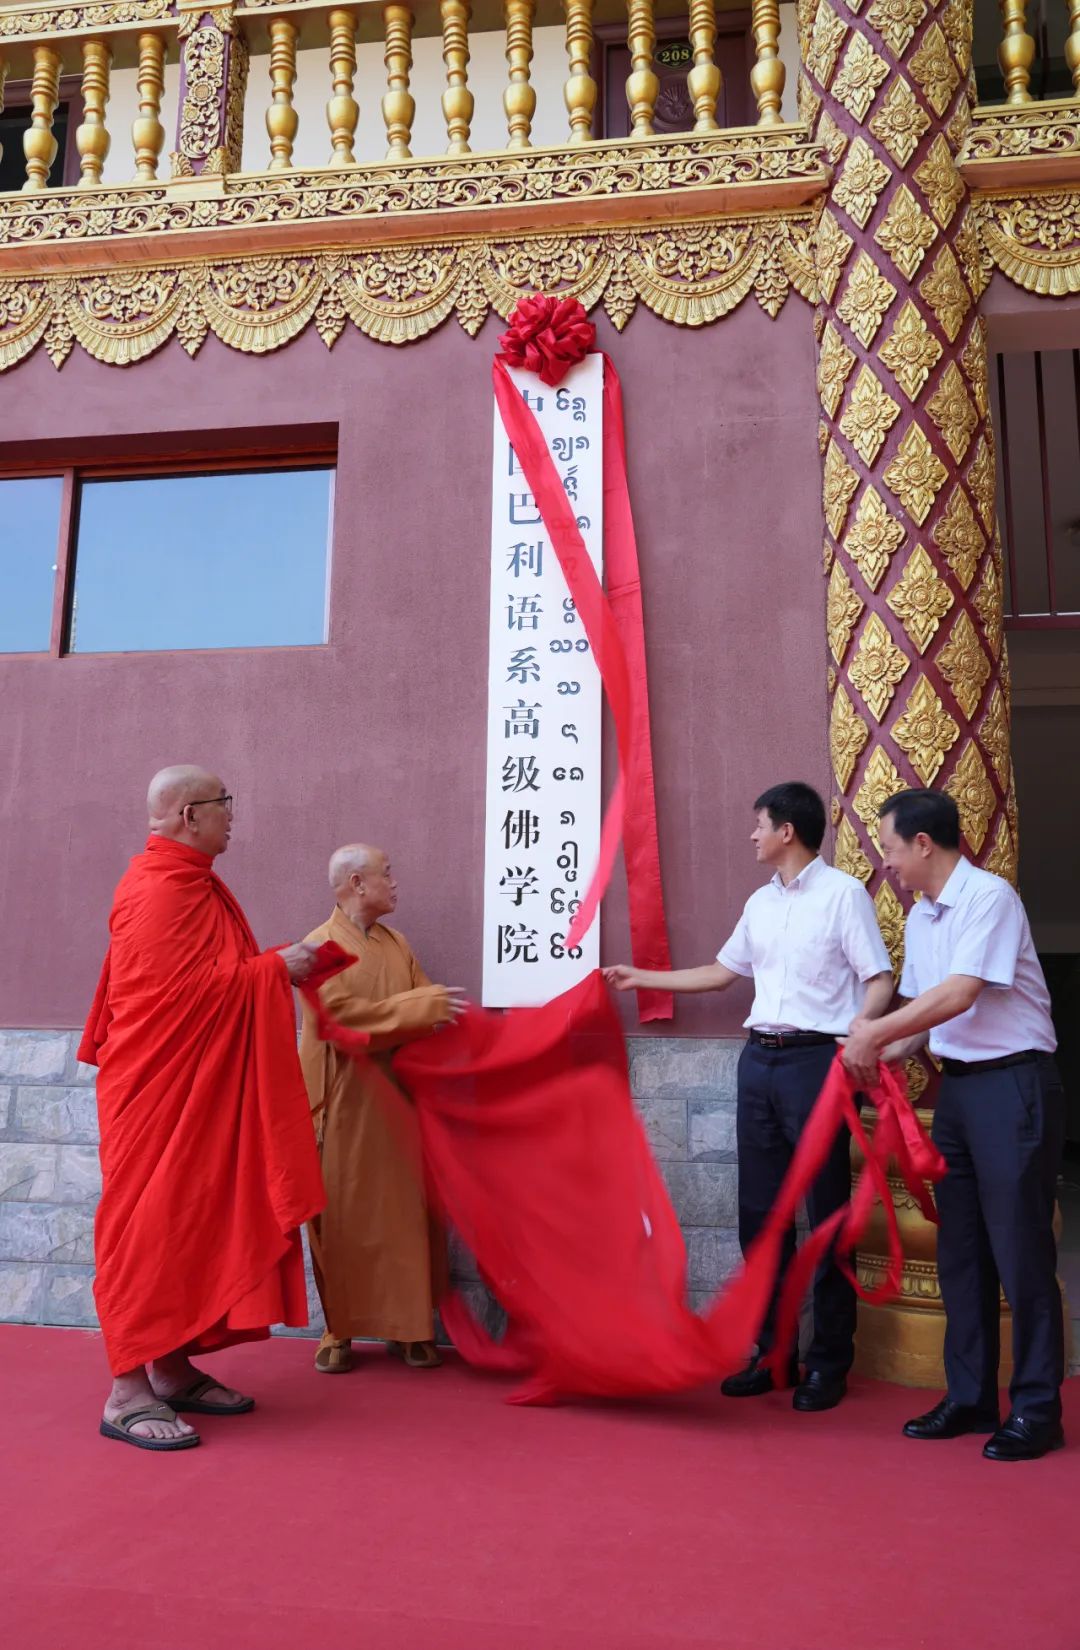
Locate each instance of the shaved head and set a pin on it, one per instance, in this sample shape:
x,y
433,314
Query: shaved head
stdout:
x,y
188,804
173,788
363,883
352,860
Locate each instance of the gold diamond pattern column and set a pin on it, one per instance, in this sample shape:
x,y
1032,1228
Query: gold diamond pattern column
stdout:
x,y
917,673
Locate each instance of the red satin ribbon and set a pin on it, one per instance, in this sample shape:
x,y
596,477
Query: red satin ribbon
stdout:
x,y
330,959
616,633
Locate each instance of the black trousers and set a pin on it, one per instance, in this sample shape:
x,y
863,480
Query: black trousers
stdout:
x,y
1001,1134
776,1092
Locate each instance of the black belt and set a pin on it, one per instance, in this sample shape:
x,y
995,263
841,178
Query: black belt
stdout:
x,y
964,1068
790,1039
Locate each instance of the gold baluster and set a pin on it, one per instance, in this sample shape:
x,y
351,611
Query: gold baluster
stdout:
x,y
282,119
703,81
579,93
768,74
398,106
1016,53
39,144
91,138
457,100
342,111
642,85
1072,44
519,98
147,132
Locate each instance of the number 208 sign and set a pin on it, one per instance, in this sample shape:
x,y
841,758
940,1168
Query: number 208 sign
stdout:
x,y
542,828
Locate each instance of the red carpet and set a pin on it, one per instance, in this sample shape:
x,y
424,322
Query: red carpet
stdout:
x,y
393,1510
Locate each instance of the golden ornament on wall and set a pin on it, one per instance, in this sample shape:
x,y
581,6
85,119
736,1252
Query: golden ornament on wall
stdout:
x,y
970,788
880,781
994,735
867,296
964,665
946,293
860,183
890,916
940,182
959,537
826,38
900,122
873,537
832,139
848,734
878,664
987,602
859,76
842,609
915,474
848,855
831,247
1001,860
981,481
910,351
973,359
920,599
838,486
951,409
868,416
835,361
925,732
956,24
905,232
918,1079
896,22
933,69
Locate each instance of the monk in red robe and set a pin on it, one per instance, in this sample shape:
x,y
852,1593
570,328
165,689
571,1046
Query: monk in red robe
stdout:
x,y
209,1169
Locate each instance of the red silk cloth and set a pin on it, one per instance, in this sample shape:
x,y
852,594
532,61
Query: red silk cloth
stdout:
x,y
533,1151
208,1157
553,336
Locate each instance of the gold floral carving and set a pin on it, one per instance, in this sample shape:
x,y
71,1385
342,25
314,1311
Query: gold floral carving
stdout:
x,y
80,19
877,666
890,916
828,556
934,70
204,92
981,480
873,537
964,665
848,855
915,474
831,138
957,19
925,732
848,734
945,292
831,247
808,102
973,359
1034,239
867,296
880,781
896,22
838,488
994,735
960,123
826,38
951,409
869,415
920,599
973,261
987,602
901,122
842,610
918,1079
1024,131
910,351
970,788
859,77
1001,860
940,182
861,181
835,361
959,537
905,232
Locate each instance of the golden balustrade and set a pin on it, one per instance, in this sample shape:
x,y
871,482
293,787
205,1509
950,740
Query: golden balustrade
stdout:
x,y
1016,53
342,111
147,132
91,138
457,101
398,105
39,143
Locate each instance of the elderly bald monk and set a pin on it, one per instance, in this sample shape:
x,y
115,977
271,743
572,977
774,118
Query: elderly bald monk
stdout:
x,y
379,1261
208,1166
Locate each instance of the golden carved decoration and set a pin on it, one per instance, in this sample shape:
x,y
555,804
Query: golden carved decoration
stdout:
x,y
282,120
831,247
848,855
859,76
835,361
925,732
768,75
920,599
980,478
832,139
896,22
458,102
880,781
807,102
76,19
1001,860
868,416
861,181
890,916
957,24
975,265
973,359
994,735
204,75
877,666
964,665
951,409
915,474
92,138
910,351
905,232
1016,53
826,38
1034,239
970,788
934,70
342,109
874,536
900,122
822,436
831,679
987,602
959,537
398,103
848,734
25,314
1031,132
828,556
519,98
945,292
842,609
39,141
940,182
918,1080
838,488
867,296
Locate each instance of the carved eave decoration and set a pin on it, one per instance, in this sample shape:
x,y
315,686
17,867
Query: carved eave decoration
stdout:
x,y
1022,146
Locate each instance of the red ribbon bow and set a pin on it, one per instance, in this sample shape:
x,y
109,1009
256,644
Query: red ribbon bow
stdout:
x,y
548,336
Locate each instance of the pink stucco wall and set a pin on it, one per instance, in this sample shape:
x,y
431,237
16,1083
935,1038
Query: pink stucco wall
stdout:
x,y
380,735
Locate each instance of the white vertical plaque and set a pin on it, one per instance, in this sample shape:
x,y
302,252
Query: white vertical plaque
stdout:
x,y
542,831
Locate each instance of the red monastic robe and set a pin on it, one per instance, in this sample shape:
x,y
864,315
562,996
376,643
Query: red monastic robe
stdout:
x,y
208,1160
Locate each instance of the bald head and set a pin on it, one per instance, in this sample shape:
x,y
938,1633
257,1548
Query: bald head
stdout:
x,y
173,788
363,883
182,803
352,860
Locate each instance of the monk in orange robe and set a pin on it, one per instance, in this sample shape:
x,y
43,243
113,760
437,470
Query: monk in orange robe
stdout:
x,y
208,1165
379,1260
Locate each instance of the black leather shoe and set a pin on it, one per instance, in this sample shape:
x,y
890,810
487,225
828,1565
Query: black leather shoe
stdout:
x,y
754,1380
949,1420
1020,1440
818,1391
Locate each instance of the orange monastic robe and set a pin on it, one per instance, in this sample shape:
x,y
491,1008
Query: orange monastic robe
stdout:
x,y
379,1260
207,1161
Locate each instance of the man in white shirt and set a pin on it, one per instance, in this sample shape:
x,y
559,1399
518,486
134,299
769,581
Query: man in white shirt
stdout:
x,y
976,987
810,940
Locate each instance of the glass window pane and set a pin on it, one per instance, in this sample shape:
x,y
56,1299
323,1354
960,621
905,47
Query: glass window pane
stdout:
x,y
235,560
29,534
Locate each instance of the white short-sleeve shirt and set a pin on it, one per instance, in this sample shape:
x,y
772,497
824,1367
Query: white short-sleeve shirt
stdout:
x,y
978,926
810,946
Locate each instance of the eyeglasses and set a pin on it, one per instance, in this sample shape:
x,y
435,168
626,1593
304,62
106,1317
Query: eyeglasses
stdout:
x,y
225,802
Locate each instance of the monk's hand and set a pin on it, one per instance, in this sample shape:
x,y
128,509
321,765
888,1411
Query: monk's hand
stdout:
x,y
620,977
299,959
456,1001
860,1054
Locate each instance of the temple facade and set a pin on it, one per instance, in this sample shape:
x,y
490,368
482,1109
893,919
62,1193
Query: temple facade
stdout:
x,y
254,263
